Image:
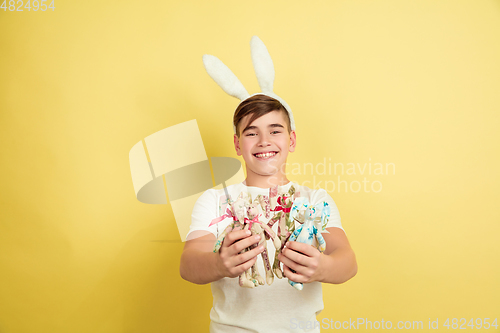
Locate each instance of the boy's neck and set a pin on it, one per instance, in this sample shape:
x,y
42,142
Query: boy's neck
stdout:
x,y
265,181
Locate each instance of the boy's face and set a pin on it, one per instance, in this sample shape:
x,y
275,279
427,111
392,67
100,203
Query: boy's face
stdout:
x,y
264,145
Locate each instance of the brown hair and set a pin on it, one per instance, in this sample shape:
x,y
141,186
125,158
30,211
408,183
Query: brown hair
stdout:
x,y
257,106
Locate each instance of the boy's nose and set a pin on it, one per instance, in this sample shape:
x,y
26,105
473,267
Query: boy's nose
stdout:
x,y
264,141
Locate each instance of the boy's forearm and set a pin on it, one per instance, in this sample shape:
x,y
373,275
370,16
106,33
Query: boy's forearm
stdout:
x,y
200,267
338,266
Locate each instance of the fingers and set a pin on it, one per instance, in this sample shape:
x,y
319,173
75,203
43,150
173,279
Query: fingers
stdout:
x,y
234,260
284,258
232,271
301,264
287,272
235,271
237,264
291,255
240,240
247,255
293,276
234,236
305,249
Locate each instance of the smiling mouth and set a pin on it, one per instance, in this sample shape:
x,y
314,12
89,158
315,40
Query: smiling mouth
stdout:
x,y
265,155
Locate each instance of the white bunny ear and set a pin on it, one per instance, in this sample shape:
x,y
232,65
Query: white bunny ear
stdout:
x,y
223,76
263,65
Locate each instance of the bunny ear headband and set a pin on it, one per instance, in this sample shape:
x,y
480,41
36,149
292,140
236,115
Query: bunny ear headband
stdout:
x,y
264,70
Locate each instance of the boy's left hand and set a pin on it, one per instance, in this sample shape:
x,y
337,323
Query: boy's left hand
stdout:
x,y
305,261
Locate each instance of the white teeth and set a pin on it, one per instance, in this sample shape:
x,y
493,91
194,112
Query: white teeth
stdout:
x,y
265,155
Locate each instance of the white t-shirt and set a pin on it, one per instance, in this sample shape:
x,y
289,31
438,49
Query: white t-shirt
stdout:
x,y
266,308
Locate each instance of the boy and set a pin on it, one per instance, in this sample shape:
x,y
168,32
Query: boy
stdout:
x,y
264,135
264,138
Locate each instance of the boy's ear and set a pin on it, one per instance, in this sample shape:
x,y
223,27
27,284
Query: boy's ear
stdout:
x,y
237,145
293,141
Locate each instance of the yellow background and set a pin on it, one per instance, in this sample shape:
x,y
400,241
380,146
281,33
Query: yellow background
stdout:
x,y
414,83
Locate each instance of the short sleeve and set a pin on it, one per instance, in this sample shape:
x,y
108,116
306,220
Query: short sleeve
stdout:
x,y
334,220
204,211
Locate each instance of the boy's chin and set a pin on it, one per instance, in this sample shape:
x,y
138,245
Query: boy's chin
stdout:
x,y
271,172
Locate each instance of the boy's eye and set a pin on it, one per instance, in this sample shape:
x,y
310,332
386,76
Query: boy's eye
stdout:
x,y
251,134
275,132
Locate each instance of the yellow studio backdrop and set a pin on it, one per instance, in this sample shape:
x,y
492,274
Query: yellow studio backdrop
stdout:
x,y
397,111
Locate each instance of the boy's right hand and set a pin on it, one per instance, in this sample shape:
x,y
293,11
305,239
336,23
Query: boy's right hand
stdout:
x,y
231,263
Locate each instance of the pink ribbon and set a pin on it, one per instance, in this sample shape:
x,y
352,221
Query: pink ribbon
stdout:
x,y
252,221
229,213
256,220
